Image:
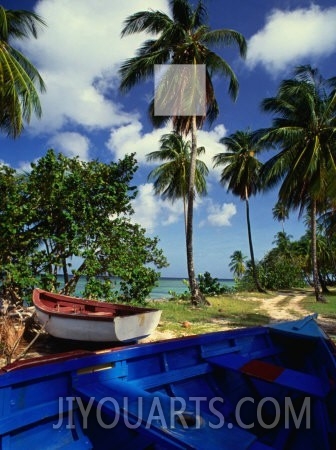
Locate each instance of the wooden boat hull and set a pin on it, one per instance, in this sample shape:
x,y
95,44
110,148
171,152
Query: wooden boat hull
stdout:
x,y
86,320
257,389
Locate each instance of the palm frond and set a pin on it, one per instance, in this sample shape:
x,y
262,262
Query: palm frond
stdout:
x,y
19,24
182,12
227,37
151,21
18,97
217,65
181,39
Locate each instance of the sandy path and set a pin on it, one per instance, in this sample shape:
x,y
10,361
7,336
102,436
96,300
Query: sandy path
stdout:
x,y
272,307
277,311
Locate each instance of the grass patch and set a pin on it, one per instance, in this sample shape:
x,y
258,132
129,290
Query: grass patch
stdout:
x,y
327,309
229,311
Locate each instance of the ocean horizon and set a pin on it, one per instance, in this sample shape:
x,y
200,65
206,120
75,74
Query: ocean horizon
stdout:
x,y
163,287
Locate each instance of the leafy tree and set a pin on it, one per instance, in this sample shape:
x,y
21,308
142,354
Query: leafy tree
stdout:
x,y
281,272
304,129
18,77
182,38
241,175
237,264
283,267
83,210
17,243
171,178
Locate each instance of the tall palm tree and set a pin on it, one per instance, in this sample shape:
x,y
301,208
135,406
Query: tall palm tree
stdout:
x,y
171,178
18,94
182,38
237,264
280,213
241,176
304,129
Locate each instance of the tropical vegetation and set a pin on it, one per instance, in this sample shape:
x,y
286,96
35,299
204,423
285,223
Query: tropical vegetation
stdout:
x,y
73,218
183,38
303,131
241,176
288,264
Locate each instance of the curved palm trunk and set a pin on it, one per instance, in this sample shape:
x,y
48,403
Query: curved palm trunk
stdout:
x,y
254,270
196,296
316,281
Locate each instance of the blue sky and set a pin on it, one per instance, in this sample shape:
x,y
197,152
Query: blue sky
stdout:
x,y
79,54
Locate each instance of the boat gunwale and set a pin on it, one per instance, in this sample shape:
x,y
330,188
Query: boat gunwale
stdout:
x,y
111,310
129,351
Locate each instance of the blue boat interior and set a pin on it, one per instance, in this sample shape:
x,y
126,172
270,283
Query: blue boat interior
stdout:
x,y
259,388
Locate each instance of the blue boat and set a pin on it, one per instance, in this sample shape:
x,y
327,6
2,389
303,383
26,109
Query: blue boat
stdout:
x,y
260,388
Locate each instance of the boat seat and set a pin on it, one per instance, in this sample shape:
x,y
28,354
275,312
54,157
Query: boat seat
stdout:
x,y
65,309
255,368
43,416
111,395
172,376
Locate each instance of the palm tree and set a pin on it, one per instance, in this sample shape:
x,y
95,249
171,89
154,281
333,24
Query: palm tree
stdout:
x,y
283,243
18,76
241,176
171,178
237,264
280,213
182,38
304,128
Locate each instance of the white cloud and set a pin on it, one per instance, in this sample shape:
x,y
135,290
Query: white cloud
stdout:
x,y
78,55
151,212
210,140
292,36
219,215
71,144
130,138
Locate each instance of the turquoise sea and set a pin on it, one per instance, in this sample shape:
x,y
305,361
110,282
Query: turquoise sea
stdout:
x,y
163,287
176,284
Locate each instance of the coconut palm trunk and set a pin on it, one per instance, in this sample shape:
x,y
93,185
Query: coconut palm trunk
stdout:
x,y
196,295
317,286
249,233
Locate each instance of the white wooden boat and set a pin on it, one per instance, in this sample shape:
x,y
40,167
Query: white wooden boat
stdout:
x,y
89,320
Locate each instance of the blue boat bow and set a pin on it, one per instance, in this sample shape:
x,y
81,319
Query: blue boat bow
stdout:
x,y
260,388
